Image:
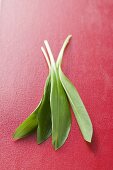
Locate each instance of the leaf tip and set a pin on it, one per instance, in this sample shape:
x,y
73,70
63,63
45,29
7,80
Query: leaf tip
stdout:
x,y
14,136
89,138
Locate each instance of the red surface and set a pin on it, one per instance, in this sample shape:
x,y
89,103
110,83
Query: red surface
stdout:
x,y
88,62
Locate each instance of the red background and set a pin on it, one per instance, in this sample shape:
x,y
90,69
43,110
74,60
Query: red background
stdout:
x,y
88,62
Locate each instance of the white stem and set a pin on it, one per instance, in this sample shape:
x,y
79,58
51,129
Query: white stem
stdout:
x,y
59,60
50,54
46,57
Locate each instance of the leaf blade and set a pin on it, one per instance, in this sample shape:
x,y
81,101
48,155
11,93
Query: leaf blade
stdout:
x,y
44,115
78,107
26,127
61,117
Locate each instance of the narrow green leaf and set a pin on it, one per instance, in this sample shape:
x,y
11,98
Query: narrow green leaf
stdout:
x,y
60,113
61,117
27,126
44,115
78,107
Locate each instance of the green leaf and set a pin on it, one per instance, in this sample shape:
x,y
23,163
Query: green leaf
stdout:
x,y
27,126
41,118
44,115
60,113
61,117
78,107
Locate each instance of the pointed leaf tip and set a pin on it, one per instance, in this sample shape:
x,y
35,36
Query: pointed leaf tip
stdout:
x,y
26,127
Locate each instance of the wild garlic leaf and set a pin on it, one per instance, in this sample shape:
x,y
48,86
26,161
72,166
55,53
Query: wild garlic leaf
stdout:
x,y
44,115
78,107
60,113
38,117
61,117
27,126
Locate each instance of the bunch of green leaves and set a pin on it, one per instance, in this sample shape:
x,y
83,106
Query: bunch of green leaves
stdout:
x,y
52,115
